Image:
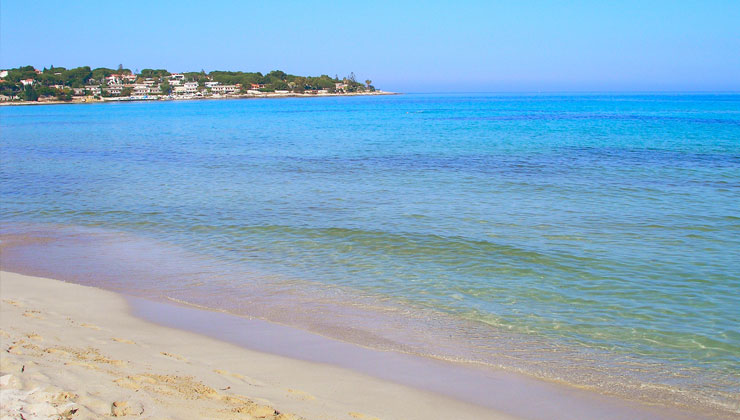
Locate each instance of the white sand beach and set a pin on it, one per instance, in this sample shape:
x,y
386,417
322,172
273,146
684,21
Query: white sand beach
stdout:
x,y
75,352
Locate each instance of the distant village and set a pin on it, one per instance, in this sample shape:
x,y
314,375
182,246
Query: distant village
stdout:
x,y
27,84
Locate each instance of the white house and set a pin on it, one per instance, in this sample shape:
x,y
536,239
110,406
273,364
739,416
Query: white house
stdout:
x,y
114,79
93,89
115,89
225,89
211,84
27,82
190,87
3,73
142,89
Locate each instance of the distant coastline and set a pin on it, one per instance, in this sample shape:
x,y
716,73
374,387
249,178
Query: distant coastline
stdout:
x,y
83,100
58,85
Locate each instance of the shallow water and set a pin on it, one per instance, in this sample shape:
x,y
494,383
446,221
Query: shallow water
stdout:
x,y
589,239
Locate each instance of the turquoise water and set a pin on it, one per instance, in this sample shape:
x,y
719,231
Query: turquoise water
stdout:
x,y
605,228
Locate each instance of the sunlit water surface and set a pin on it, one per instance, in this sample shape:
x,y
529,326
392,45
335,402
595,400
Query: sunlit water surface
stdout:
x,y
589,239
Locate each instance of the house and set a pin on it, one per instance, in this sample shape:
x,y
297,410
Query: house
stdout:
x,y
187,88
149,81
142,89
93,89
211,84
5,98
115,89
128,77
27,82
176,79
114,79
257,86
225,89
78,91
60,87
3,73
190,87
340,86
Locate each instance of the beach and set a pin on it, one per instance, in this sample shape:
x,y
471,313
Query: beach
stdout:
x,y
76,352
535,256
79,352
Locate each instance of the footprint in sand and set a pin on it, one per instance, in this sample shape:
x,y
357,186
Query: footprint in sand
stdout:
x,y
362,416
122,340
21,347
174,356
91,326
304,396
13,302
239,376
34,336
33,314
81,364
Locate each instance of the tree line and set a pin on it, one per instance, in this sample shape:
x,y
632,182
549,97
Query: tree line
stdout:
x,y
60,81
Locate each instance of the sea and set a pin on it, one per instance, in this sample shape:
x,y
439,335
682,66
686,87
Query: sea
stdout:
x,y
588,239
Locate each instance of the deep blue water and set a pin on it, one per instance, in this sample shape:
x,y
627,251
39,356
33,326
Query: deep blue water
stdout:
x,y
606,224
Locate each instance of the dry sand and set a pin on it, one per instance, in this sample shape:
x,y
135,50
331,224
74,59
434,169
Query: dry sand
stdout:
x,y
75,352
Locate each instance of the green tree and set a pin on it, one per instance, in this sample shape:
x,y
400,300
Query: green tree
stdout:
x,y
126,91
280,86
64,95
30,94
100,73
146,73
277,74
165,88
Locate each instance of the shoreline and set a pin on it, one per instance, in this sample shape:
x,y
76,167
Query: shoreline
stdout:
x,y
320,366
158,99
67,253
68,346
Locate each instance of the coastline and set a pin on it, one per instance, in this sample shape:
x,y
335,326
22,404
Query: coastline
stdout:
x,y
72,347
266,95
351,246
61,336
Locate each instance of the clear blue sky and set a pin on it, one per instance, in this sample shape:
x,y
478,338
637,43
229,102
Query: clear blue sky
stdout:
x,y
644,45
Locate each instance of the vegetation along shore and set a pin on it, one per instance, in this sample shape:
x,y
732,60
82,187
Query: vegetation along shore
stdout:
x,y
28,85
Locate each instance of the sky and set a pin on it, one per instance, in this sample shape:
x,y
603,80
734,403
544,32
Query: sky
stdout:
x,y
405,46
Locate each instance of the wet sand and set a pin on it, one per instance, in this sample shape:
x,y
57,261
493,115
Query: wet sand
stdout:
x,y
76,352
72,347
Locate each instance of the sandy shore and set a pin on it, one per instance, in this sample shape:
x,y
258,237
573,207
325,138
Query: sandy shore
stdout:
x,y
71,351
